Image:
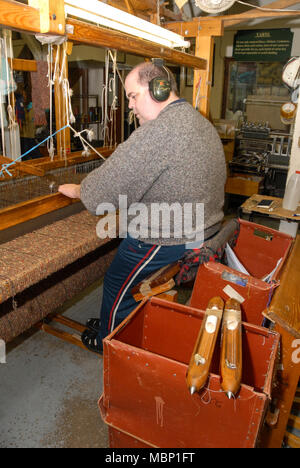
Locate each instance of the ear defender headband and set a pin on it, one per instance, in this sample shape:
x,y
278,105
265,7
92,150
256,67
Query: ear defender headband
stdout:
x,y
160,87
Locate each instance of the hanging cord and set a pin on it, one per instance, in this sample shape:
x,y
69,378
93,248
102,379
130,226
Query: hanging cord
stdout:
x,y
112,118
54,75
6,166
104,99
71,119
2,100
158,13
113,109
110,86
198,94
50,142
13,125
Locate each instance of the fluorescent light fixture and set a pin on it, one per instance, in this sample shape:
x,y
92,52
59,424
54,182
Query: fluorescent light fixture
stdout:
x,y
106,15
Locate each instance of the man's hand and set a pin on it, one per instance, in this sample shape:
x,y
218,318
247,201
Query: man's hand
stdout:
x,y
70,190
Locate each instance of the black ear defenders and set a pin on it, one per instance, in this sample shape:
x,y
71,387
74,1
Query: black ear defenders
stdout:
x,y
160,87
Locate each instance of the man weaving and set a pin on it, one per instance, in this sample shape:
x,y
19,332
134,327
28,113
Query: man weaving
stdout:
x,y
175,156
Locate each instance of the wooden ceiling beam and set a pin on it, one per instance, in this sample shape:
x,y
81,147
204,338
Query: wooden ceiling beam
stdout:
x,y
254,13
213,26
144,8
103,37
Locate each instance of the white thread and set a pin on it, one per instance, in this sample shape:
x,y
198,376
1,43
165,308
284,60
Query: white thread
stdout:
x,y
1,101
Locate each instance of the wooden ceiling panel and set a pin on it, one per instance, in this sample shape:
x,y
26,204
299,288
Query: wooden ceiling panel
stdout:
x,y
143,8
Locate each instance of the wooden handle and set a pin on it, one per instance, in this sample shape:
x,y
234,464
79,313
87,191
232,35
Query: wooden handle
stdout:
x,y
204,347
231,348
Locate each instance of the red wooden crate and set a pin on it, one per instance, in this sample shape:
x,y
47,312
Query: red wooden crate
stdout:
x,y
258,248
145,394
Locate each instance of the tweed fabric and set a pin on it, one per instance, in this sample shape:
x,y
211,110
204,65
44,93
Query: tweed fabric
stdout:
x,y
36,302
29,259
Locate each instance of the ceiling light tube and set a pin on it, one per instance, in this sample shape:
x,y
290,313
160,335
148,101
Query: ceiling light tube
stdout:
x,y
106,15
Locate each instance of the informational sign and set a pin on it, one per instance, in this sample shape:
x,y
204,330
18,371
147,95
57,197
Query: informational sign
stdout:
x,y
263,45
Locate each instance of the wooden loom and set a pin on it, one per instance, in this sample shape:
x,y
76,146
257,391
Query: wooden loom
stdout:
x,y
31,276
50,19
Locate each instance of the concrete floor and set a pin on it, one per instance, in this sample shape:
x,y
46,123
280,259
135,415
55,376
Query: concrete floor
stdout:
x,y
49,388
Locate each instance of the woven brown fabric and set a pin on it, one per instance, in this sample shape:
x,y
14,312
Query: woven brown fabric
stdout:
x,y
43,298
29,259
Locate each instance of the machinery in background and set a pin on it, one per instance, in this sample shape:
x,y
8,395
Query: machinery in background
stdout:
x,y
264,149
261,151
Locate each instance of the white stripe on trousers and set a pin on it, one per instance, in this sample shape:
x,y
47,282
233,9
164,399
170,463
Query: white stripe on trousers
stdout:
x,y
130,282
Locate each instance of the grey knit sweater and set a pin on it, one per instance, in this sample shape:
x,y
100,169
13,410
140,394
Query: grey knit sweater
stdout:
x,y
177,159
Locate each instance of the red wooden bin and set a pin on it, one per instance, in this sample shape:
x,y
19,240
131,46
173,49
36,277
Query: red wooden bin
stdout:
x,y
145,398
258,248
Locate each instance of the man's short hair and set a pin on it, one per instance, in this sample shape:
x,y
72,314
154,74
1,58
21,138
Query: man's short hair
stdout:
x,y
147,71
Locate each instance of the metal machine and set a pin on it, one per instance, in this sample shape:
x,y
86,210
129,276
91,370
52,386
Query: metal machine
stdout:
x,y
264,152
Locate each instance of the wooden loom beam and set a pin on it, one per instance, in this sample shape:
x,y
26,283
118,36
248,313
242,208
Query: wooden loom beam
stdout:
x,y
16,15
26,168
102,37
52,15
39,206
31,209
23,64
42,165
22,17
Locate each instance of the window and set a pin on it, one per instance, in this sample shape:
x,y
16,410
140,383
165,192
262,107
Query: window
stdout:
x,y
243,79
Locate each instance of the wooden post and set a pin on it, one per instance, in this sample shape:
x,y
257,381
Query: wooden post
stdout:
x,y
63,141
52,15
202,78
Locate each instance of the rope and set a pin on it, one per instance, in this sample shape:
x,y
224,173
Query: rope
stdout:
x,y
52,76
110,86
1,100
76,134
6,166
50,142
13,125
